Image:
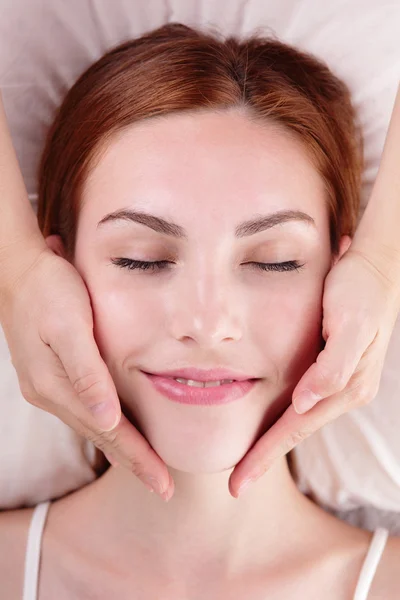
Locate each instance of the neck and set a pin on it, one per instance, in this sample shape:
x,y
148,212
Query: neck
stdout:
x,y
202,531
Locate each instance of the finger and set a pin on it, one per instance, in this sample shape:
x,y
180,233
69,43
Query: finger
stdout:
x,y
131,450
111,459
89,376
333,368
124,443
288,431
291,428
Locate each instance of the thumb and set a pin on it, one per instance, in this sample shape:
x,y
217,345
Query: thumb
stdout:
x,y
89,375
333,368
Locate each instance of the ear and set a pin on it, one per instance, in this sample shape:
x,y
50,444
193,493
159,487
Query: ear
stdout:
x,y
344,244
55,243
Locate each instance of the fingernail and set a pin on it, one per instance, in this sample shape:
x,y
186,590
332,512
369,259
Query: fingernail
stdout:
x,y
305,401
153,485
245,485
105,415
167,495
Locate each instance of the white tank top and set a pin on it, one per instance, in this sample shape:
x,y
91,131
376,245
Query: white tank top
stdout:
x,y
32,557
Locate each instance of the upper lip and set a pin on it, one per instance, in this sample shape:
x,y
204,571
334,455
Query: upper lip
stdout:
x,y
203,374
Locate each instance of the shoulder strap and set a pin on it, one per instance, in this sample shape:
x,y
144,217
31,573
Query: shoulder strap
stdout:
x,y
32,557
371,562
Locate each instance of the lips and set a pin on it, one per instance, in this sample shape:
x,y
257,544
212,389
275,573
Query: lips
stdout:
x,y
204,374
206,396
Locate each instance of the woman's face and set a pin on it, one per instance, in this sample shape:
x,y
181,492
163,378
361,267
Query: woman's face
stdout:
x,y
210,306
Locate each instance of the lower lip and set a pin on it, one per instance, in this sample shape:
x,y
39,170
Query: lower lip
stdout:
x,y
185,394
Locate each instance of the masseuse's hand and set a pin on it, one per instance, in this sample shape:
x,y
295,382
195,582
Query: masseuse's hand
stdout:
x,y
47,318
360,306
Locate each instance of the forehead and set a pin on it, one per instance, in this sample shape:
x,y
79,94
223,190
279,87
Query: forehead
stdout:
x,y
204,163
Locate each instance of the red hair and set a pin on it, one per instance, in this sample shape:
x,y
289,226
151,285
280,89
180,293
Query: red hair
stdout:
x,y
176,68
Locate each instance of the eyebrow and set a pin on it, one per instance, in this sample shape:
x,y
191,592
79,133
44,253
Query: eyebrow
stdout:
x,y
245,229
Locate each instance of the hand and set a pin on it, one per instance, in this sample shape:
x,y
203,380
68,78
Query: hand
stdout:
x,y
48,323
360,307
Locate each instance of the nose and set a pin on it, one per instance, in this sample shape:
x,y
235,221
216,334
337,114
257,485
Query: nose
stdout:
x,y
205,309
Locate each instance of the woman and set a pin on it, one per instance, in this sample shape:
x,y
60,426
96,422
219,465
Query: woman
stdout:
x,y
200,187
360,305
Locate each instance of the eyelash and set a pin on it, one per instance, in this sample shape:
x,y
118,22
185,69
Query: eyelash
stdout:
x,y
160,265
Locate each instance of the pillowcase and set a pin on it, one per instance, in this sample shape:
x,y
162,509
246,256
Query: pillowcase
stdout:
x,y
44,47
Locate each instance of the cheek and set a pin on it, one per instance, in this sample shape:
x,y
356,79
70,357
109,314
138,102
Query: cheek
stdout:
x,y
125,324
290,327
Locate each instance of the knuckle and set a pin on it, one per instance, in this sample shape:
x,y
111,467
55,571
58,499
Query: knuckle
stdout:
x,y
30,397
88,385
338,379
362,392
136,467
26,390
104,440
334,379
46,390
295,438
33,391
361,396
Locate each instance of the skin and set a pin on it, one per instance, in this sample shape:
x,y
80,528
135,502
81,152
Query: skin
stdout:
x,y
207,173
206,308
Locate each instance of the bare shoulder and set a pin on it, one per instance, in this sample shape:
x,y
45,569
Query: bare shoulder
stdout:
x,y
14,526
386,583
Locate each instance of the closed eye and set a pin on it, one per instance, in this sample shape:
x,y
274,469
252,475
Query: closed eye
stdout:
x,y
161,265
143,265
289,265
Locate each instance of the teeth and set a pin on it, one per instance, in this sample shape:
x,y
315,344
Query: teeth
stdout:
x,y
192,383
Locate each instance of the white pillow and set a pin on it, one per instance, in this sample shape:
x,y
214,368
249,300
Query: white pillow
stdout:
x,y
44,47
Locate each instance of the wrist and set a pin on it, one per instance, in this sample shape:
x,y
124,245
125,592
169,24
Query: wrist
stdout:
x,y
383,257
17,258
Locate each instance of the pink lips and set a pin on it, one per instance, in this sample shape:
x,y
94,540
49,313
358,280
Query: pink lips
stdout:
x,y
185,394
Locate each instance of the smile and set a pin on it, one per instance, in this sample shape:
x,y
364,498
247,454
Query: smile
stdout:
x,y
205,393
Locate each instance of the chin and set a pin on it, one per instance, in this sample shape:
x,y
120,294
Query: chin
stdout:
x,y
203,439
202,452
200,465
